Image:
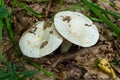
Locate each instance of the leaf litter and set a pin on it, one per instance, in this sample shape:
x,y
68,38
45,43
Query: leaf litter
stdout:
x,y
78,63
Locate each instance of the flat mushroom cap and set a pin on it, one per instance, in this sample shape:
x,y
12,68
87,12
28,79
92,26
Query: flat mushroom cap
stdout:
x,y
76,28
40,40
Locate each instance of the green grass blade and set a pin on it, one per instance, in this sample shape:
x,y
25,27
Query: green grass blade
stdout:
x,y
94,19
4,15
1,2
1,57
48,73
39,0
5,76
2,71
3,12
114,14
9,28
6,72
38,15
26,74
60,5
73,7
33,0
103,18
108,1
10,72
1,25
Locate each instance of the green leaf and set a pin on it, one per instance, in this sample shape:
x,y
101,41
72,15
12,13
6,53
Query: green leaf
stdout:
x,y
3,12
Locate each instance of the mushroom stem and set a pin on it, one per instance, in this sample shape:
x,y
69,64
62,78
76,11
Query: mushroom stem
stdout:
x,y
65,46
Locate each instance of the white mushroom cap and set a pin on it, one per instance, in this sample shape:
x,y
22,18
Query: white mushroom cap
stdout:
x,y
76,28
40,40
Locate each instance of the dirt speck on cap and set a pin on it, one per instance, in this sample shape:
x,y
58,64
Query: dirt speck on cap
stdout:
x,y
67,18
32,30
47,24
51,32
43,44
89,25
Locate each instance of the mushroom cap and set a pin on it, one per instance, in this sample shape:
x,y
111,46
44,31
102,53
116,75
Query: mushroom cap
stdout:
x,y
76,28
40,40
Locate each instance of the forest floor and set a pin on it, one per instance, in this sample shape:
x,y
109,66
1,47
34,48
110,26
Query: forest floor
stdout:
x,y
78,63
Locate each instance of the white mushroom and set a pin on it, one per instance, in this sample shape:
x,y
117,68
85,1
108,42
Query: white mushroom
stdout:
x,y
40,40
76,28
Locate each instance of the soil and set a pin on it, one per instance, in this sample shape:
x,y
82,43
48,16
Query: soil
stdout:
x,y
78,63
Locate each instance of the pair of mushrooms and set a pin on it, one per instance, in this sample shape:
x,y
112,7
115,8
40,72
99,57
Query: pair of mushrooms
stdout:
x,y
68,28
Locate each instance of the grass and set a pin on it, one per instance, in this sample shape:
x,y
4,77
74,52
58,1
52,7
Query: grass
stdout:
x,y
11,72
48,73
5,21
38,15
108,1
115,15
9,28
77,6
98,13
1,2
6,18
1,24
60,5
3,15
97,61
74,7
34,0
94,19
